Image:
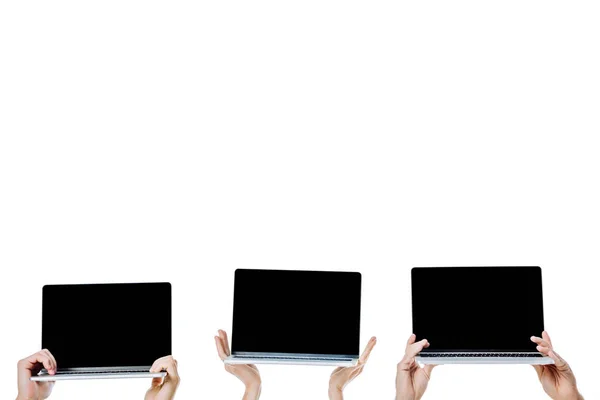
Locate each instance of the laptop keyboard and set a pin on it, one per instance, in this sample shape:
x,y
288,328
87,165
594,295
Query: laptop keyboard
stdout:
x,y
103,372
470,355
292,358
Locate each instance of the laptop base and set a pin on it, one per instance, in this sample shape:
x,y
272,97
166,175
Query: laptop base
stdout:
x,y
521,359
96,375
291,360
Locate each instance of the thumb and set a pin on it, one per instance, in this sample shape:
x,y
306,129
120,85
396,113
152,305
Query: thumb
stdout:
x,y
558,360
156,382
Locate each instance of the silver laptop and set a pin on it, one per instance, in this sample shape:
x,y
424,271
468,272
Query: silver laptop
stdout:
x,y
478,315
295,317
106,331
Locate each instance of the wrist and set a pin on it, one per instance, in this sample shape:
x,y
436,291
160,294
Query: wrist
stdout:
x,y
252,391
576,395
335,393
571,396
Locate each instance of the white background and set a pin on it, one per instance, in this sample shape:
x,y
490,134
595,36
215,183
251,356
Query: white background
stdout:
x,y
180,140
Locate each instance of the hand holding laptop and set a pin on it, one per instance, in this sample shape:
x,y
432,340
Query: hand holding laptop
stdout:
x,y
114,324
164,388
412,379
30,366
557,379
247,373
161,389
342,376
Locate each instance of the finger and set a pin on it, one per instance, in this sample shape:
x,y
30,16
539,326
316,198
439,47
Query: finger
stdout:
x,y
168,364
172,370
162,363
156,382
39,358
220,348
539,369
416,348
54,363
540,341
367,352
558,360
411,340
51,360
355,372
156,365
546,337
408,361
223,336
544,350
225,341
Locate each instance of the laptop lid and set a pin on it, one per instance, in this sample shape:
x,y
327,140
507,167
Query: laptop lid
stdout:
x,y
296,312
476,309
107,325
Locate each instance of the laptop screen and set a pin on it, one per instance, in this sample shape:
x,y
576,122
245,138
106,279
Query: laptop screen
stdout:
x,y
299,312
107,325
478,308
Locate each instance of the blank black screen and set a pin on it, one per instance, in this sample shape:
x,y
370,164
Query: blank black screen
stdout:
x,y
478,308
304,312
107,325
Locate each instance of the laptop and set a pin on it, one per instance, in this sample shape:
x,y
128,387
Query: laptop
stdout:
x,y
478,315
296,317
105,331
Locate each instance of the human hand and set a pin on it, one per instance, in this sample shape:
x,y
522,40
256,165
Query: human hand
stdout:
x,y
247,373
164,388
342,376
30,366
411,379
557,379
